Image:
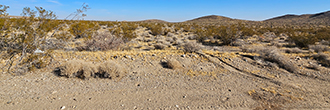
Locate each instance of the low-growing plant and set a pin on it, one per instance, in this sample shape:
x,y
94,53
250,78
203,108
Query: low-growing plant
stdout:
x,y
159,46
103,41
272,54
293,50
111,70
302,39
319,48
191,47
83,29
77,68
322,58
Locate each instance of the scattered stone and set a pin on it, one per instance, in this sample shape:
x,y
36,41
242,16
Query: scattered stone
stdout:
x,y
127,56
177,106
183,55
153,55
63,107
54,92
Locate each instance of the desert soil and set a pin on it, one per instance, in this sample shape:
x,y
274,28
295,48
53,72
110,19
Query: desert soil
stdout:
x,y
228,80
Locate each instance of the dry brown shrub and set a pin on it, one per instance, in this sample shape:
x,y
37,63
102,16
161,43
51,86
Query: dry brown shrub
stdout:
x,y
77,68
111,70
293,50
103,41
273,54
191,47
319,48
322,58
173,64
159,46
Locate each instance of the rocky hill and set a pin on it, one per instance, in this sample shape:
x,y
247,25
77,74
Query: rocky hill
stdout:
x,y
215,19
153,21
322,18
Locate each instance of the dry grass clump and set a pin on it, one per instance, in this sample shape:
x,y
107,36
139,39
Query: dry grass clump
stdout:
x,y
319,48
272,54
111,70
293,50
251,49
159,46
77,68
191,47
238,42
173,64
85,70
322,58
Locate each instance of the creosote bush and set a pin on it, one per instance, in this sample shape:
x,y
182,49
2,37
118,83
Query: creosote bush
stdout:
x,y
83,29
24,40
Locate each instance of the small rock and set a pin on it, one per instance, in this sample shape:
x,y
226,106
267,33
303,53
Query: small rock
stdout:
x,y
183,55
153,54
177,106
54,92
128,57
63,107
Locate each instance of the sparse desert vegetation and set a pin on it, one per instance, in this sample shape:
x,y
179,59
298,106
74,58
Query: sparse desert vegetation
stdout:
x,y
211,62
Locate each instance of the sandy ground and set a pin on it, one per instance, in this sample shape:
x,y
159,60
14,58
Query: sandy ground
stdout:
x,y
222,81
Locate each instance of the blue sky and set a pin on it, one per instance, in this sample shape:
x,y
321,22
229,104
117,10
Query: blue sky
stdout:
x,y
174,10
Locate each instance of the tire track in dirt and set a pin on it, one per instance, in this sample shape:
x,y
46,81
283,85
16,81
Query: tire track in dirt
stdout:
x,y
220,63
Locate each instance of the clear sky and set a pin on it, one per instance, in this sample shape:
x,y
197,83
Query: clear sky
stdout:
x,y
174,10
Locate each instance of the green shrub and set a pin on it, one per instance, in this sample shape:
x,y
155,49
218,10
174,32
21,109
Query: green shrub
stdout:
x,y
83,29
302,39
25,36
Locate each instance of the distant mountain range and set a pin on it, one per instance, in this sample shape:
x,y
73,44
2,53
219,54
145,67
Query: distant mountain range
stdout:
x,y
318,18
322,18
